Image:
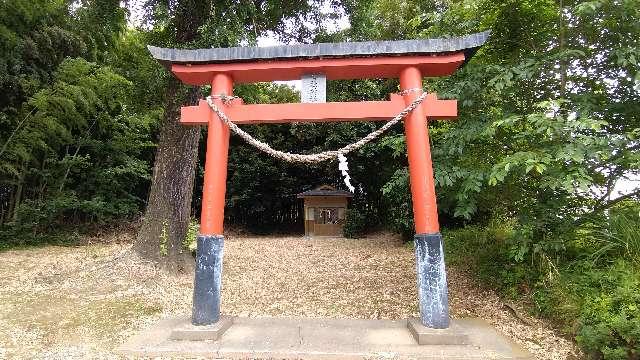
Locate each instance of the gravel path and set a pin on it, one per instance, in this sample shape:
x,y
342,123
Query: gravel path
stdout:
x,y
81,302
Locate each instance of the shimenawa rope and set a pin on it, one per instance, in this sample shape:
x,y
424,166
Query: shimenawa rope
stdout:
x,y
318,157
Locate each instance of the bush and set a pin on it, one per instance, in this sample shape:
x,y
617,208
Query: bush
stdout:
x,y
492,258
609,322
355,223
597,299
190,241
12,237
397,198
58,219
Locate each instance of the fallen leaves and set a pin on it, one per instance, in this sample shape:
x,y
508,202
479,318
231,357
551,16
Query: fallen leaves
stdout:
x,y
61,302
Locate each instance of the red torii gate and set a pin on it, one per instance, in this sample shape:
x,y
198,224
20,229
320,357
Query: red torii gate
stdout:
x,y
408,60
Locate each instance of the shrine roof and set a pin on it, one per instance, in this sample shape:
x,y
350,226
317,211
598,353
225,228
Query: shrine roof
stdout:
x,y
325,190
467,44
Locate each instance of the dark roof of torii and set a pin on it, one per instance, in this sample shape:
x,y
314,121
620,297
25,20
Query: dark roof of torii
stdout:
x,y
469,44
325,190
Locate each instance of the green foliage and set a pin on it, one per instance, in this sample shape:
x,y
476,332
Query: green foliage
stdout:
x,y
355,223
164,239
190,241
82,149
535,139
36,37
494,260
398,196
619,235
609,320
597,302
71,148
12,238
207,23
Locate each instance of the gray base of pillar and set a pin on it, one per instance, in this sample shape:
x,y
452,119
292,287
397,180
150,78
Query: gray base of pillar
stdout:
x,y
432,281
208,279
453,335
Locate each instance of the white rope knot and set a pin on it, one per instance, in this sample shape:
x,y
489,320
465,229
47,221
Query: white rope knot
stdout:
x,y
408,91
226,99
309,158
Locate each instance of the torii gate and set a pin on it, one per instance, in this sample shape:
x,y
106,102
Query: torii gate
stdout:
x,y
408,60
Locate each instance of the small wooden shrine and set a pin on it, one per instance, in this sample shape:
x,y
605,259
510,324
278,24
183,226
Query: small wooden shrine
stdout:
x,y
324,210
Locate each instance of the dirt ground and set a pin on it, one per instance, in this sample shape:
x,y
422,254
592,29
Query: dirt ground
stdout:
x,y
83,301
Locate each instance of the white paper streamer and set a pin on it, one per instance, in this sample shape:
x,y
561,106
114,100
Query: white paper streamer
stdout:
x,y
343,166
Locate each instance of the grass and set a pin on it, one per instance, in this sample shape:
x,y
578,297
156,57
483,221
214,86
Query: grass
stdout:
x,y
58,317
619,238
11,240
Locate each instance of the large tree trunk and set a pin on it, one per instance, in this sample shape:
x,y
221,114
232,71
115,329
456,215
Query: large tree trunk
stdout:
x,y
169,208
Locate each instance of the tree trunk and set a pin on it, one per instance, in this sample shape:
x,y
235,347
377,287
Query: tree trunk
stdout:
x,y
8,214
169,208
17,195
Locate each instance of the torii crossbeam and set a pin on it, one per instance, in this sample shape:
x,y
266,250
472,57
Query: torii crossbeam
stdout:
x,y
408,60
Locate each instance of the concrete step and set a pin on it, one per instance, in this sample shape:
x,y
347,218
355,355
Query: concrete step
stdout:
x,y
304,338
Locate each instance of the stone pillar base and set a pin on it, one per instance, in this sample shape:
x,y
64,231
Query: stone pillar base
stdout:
x,y
211,332
432,281
453,335
208,280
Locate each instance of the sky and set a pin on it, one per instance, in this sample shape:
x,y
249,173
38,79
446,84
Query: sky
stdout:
x,y
341,23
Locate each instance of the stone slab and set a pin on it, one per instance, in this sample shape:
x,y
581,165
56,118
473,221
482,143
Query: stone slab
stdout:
x,y
187,331
455,334
302,338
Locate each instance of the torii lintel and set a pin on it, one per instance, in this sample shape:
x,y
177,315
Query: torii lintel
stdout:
x,y
433,108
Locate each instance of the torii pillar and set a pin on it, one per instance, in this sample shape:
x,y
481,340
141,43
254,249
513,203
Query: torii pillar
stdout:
x,y
408,60
429,251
